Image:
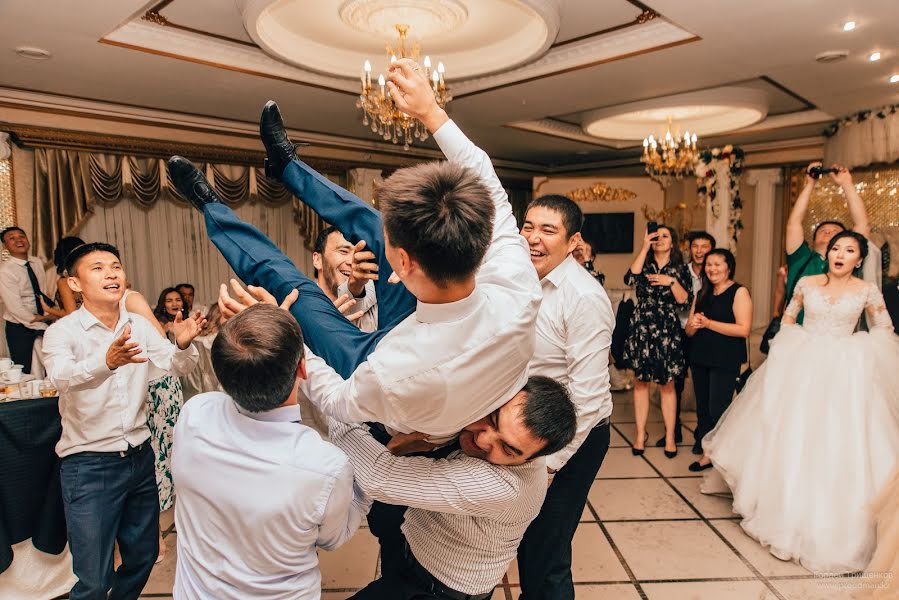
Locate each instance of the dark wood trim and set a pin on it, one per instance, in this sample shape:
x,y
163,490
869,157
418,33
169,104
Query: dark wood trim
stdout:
x,y
154,15
810,105
690,40
647,15
210,63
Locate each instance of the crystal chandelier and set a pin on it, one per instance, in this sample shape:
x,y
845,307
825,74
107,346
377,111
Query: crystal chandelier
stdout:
x,y
378,109
671,158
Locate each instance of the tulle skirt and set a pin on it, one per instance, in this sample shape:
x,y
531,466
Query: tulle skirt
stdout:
x,y
809,443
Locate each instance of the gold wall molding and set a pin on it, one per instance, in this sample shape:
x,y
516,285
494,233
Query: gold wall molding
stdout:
x,y
601,192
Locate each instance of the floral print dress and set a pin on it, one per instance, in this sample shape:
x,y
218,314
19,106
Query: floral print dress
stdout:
x,y
653,348
165,398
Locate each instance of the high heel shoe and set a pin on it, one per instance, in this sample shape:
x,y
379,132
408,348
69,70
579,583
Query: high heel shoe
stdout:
x,y
640,451
671,454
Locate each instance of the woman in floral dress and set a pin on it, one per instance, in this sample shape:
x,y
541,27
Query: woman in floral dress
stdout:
x,y
653,348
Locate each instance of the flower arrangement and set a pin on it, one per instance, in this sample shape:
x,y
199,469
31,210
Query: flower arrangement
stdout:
x,y
860,117
707,166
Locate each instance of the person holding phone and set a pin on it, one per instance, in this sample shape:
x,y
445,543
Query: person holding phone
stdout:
x,y
653,348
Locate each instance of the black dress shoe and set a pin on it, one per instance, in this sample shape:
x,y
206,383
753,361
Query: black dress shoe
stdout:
x,y
696,466
670,454
697,449
279,149
191,183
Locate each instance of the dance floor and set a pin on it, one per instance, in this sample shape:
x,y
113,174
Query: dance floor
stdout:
x,y
647,532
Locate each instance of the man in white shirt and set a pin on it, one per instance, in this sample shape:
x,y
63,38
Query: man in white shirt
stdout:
x,y
332,259
258,491
448,234
98,358
701,242
23,284
574,335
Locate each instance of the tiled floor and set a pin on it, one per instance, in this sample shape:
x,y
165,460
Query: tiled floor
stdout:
x,y
647,532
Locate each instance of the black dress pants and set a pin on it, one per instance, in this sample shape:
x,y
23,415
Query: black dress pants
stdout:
x,y
714,388
544,556
20,340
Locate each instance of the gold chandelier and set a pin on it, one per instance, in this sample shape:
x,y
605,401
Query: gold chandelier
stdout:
x,y
378,109
671,158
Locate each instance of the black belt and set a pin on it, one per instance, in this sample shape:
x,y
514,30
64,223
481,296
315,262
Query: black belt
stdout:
x,y
434,585
119,454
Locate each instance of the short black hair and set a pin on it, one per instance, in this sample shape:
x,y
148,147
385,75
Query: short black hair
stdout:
x,y
7,230
549,413
83,250
823,223
255,357
185,285
702,235
441,214
321,240
61,253
572,215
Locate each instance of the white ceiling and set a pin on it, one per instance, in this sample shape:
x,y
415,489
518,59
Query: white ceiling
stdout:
x,y
765,44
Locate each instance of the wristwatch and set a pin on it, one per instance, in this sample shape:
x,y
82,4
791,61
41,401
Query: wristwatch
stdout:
x,y
673,281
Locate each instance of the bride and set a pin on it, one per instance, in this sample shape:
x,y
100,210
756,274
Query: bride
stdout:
x,y
809,443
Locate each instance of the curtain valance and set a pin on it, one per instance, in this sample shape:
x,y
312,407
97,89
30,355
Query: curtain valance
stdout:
x,y
68,183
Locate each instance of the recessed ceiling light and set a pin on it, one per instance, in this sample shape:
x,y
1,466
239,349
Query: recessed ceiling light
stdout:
x,y
894,79
874,56
33,53
848,25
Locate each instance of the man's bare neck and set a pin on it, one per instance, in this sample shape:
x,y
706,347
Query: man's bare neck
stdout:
x,y
106,313
451,293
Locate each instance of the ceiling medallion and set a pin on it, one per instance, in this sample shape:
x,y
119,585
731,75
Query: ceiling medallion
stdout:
x,y
428,17
378,109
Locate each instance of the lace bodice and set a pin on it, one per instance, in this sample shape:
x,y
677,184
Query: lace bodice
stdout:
x,y
840,316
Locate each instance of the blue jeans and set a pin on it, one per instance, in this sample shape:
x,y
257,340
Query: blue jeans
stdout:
x,y
257,261
109,499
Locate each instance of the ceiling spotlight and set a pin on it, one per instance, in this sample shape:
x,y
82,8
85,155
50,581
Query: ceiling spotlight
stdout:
x,y
33,53
875,56
894,79
848,25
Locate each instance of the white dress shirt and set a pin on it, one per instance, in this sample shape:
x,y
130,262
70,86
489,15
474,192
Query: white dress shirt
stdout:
x,y
367,303
104,410
574,335
466,516
19,304
257,494
448,365
684,314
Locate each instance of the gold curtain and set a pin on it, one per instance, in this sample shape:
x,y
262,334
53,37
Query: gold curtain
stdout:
x,y
69,183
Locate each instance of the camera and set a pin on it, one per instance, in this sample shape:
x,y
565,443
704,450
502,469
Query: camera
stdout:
x,y
817,171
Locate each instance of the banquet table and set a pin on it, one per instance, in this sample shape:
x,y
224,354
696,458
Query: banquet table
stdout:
x,y
30,495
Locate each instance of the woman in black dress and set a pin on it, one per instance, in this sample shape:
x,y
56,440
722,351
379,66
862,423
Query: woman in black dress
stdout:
x,y
719,324
653,348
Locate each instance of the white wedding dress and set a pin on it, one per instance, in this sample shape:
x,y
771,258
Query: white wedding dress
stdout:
x,y
814,436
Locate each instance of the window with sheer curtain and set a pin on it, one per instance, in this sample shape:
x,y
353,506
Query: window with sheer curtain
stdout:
x,y
167,243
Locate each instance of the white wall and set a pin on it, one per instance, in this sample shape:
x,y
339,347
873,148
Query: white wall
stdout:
x,y
648,192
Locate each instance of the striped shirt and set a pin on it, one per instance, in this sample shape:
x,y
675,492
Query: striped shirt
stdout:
x,y
466,516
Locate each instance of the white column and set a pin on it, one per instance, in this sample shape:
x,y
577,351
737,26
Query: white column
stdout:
x,y
763,264
362,182
717,226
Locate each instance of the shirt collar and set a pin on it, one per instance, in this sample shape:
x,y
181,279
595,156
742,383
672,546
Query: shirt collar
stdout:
x,y
282,414
88,319
19,261
450,311
558,275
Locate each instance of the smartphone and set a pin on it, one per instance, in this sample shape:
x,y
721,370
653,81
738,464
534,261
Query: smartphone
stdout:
x,y
652,227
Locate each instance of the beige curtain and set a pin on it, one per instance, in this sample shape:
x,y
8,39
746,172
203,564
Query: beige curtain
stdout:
x,y
69,185
166,243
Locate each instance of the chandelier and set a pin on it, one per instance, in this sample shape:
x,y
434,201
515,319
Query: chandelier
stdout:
x,y
670,158
378,109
